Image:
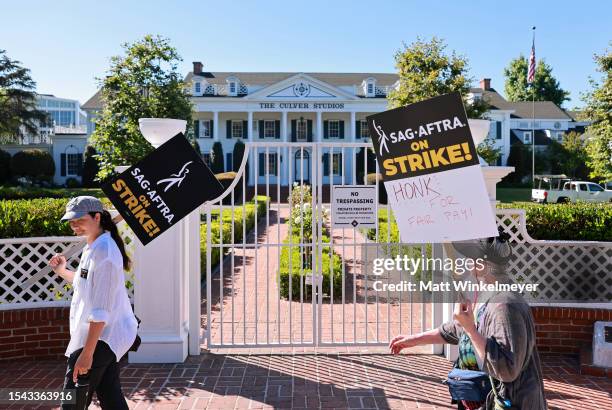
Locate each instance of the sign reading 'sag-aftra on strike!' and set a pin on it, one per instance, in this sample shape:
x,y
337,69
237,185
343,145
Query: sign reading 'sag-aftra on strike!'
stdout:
x,y
431,171
161,189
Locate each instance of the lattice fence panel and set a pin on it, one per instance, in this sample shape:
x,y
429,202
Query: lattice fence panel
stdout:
x,y
23,257
566,271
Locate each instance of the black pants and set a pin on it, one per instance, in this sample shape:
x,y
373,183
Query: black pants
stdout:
x,y
102,378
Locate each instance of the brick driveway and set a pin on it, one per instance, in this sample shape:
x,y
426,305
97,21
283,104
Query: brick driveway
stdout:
x,y
252,312
306,381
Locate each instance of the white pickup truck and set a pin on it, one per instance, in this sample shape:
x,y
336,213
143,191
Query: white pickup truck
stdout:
x,y
562,189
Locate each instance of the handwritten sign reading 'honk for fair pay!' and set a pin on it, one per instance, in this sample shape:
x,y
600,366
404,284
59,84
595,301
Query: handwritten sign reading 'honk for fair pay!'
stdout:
x,y
161,189
431,171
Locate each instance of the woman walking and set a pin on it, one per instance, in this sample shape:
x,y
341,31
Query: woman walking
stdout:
x,y
498,340
102,323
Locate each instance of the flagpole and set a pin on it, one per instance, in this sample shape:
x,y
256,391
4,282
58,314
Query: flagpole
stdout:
x,y
533,84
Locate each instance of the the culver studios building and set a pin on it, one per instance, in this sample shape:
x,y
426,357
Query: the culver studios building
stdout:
x,y
326,107
285,107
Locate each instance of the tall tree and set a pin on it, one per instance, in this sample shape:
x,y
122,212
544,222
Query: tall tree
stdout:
x,y
143,83
426,70
545,86
599,111
19,113
569,157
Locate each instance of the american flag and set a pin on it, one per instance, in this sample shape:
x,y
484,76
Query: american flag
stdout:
x,y
532,65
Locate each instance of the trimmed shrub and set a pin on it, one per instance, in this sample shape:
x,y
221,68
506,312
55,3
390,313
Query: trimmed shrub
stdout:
x,y
226,179
359,163
90,168
237,155
382,192
34,163
332,272
216,164
5,166
72,183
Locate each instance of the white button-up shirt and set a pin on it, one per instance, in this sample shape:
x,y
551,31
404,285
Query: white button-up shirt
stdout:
x,y
99,295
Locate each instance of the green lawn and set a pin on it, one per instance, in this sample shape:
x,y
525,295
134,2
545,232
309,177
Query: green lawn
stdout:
x,y
508,195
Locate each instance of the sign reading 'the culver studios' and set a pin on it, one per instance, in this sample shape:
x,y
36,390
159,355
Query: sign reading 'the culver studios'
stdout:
x,y
161,189
431,172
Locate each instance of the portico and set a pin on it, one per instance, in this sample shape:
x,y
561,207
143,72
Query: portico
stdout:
x,y
299,108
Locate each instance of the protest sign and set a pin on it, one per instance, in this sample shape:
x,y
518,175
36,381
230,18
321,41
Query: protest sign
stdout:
x,y
431,171
161,189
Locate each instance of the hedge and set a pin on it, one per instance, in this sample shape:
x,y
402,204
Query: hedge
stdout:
x,y
570,222
226,179
298,274
26,218
574,221
17,192
222,227
33,163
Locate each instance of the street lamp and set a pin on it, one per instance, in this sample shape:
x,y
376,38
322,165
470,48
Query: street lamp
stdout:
x,y
479,130
157,131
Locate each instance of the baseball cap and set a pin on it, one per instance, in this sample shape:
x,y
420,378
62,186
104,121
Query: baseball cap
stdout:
x,y
495,249
80,206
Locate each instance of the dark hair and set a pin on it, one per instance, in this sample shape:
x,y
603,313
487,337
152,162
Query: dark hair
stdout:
x,y
107,223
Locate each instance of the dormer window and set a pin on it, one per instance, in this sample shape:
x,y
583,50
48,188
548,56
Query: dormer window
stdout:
x,y
232,86
198,88
370,87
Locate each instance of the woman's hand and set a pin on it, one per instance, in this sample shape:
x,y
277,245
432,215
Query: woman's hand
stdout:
x,y
82,365
58,263
402,342
464,315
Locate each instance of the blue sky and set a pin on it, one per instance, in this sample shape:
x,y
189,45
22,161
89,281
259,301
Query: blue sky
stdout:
x,y
66,44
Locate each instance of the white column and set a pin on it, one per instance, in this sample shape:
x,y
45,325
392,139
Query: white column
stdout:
x,y
160,298
284,126
284,152
319,126
216,125
352,126
248,151
250,125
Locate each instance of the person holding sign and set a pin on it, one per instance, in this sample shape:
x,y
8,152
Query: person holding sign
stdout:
x,y
496,339
102,323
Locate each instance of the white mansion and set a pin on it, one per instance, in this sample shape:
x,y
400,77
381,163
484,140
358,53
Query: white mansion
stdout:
x,y
320,107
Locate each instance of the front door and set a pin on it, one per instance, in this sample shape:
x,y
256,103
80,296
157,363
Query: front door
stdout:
x,y
302,166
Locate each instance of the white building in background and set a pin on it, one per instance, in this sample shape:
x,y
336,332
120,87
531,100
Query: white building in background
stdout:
x,y
64,136
325,107
65,115
515,122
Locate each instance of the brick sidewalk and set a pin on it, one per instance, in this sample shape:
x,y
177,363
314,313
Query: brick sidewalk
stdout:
x,y
306,381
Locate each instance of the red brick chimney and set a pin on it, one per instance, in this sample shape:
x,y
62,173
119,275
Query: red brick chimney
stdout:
x,y
197,67
485,83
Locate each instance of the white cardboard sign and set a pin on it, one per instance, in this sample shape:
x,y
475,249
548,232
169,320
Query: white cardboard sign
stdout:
x,y
431,172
